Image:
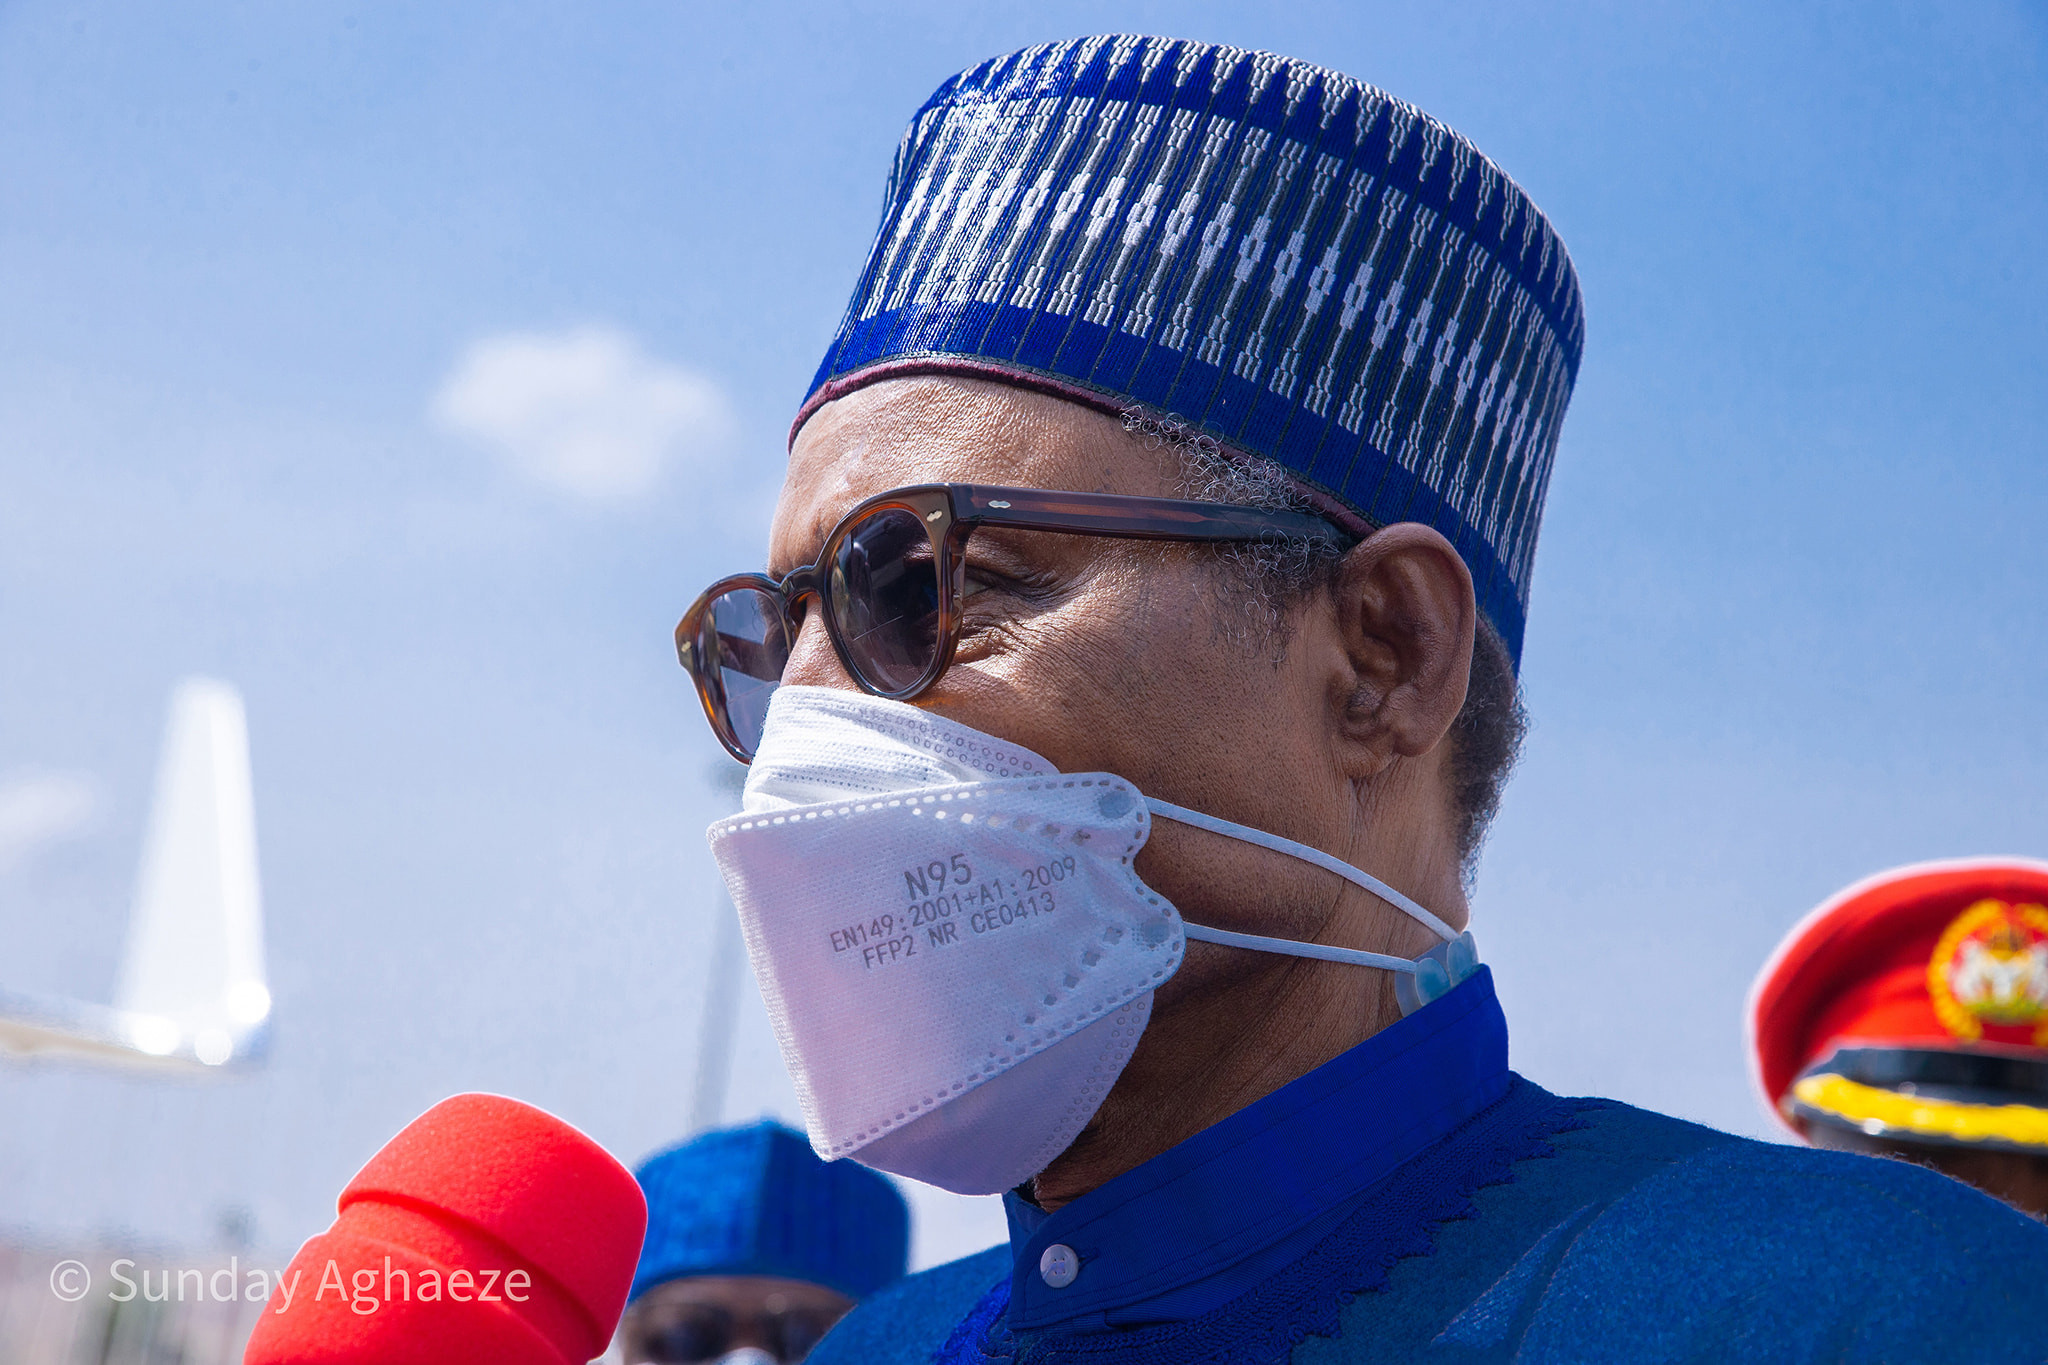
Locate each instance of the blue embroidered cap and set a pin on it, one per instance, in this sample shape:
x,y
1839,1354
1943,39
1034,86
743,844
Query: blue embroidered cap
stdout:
x,y
757,1201
1289,259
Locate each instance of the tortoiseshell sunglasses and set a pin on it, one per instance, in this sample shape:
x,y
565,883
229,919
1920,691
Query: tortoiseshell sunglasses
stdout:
x,y
891,578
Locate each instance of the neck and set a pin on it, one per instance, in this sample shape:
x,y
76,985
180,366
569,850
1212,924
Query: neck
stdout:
x,y
1233,1027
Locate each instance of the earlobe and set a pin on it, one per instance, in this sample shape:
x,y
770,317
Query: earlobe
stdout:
x,y
1406,616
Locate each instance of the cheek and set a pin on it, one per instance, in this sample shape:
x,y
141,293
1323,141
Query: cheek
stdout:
x,y
1122,678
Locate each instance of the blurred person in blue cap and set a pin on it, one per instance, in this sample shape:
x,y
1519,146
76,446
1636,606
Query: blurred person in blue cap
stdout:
x,y
755,1248
1131,682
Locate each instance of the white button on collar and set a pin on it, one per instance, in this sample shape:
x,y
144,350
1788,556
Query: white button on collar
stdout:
x,y
1059,1265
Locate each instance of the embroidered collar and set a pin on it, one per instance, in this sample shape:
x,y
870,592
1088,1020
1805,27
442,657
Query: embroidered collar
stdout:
x,y
1200,1224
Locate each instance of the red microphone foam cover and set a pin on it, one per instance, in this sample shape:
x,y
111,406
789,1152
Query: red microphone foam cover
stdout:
x,y
486,1231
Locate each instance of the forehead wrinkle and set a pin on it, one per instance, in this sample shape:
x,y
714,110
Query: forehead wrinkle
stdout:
x,y
825,507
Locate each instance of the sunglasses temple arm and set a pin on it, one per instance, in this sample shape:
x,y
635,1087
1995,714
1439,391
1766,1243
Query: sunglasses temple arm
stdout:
x,y
1131,517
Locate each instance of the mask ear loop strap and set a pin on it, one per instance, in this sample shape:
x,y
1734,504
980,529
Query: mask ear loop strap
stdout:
x,y
1182,815
1356,957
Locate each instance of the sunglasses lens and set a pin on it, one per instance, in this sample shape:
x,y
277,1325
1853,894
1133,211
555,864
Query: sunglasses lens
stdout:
x,y
743,645
696,1335
884,598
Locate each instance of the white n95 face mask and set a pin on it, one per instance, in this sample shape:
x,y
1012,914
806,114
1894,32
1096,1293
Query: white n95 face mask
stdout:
x,y
957,953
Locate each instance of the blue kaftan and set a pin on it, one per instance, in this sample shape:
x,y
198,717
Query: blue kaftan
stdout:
x,y
1414,1200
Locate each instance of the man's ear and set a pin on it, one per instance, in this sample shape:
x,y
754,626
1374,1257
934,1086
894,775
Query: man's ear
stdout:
x,y
1405,618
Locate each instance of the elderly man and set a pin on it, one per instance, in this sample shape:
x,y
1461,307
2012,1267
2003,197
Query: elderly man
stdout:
x,y
754,1249
1127,696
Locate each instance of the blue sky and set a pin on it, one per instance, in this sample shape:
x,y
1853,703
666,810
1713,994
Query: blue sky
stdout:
x,y
261,271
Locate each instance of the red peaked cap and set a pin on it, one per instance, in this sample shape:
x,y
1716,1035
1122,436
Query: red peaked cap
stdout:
x,y
1855,970
477,1184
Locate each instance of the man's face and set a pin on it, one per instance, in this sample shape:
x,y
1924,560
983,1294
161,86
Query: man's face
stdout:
x,y
1101,655
708,1317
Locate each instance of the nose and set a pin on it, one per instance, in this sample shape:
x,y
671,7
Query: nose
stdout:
x,y
812,660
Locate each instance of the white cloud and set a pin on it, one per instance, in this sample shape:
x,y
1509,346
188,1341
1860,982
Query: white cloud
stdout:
x,y
585,412
42,808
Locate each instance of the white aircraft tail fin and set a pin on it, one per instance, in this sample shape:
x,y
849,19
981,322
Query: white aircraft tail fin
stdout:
x,y
192,994
193,972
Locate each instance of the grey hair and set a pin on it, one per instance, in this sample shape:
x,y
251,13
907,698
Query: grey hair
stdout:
x,y
1270,578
